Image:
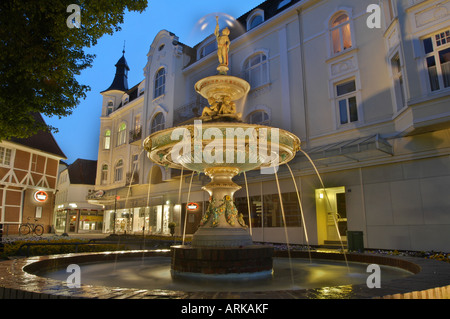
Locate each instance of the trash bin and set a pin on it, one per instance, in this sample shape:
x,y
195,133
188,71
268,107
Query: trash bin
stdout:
x,y
355,241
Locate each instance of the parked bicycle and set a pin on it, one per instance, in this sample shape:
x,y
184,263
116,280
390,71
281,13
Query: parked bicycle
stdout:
x,y
28,228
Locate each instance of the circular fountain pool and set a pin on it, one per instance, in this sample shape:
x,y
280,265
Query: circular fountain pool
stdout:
x,y
155,273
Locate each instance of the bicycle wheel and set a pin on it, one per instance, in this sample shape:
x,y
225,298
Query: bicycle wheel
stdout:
x,y
39,230
24,230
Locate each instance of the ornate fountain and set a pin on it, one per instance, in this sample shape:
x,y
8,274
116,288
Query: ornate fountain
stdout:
x,y
220,145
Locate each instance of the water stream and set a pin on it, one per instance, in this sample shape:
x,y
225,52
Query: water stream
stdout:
x,y
328,201
301,212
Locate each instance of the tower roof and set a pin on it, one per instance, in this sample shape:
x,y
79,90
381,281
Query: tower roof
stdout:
x,y
120,81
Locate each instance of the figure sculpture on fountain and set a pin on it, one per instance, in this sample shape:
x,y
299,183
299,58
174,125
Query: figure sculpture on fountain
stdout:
x,y
223,47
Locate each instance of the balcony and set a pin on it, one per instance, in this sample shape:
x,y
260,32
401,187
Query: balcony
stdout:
x,y
188,112
136,136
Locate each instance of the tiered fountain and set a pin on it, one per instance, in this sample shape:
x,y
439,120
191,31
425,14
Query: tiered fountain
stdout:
x,y
222,245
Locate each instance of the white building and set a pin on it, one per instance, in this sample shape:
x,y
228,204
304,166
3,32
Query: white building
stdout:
x,y
371,106
73,213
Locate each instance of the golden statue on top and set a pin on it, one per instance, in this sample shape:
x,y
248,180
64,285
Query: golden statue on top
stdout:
x,y
220,90
223,47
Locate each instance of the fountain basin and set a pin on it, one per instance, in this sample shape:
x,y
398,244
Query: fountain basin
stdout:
x,y
227,262
429,279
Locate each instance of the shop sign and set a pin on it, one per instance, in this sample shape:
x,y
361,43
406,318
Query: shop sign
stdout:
x,y
192,206
99,194
40,196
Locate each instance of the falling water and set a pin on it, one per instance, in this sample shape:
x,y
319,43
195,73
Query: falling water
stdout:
x,y
301,212
186,212
329,204
285,225
248,203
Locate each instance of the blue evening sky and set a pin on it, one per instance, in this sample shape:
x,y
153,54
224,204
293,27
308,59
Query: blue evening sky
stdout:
x,y
78,134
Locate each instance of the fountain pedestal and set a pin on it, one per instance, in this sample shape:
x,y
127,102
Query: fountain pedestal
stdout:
x,y
222,244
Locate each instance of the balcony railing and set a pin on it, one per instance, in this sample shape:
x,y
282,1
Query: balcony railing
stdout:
x,y
188,111
136,135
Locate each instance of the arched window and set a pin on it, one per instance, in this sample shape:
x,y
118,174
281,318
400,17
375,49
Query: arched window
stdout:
x,y
256,70
107,140
258,117
341,35
255,21
118,171
122,134
104,176
160,83
158,123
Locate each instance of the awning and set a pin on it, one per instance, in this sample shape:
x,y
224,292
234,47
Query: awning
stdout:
x,y
356,150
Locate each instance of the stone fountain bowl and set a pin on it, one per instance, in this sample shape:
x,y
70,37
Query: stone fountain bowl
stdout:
x,y
205,145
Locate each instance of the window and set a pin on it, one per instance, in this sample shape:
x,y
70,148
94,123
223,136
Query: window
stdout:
x,y
107,140
118,171
437,59
122,134
283,3
341,36
160,83
255,21
259,117
104,176
5,156
256,70
110,108
135,163
347,104
397,76
389,12
208,48
157,123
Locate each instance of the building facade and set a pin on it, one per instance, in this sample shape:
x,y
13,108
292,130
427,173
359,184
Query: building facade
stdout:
x,y
369,102
28,176
72,212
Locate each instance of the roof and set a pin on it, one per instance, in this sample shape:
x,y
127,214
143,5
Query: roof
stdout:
x,y
82,172
43,140
120,82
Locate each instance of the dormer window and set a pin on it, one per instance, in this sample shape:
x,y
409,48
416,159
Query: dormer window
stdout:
x,y
255,19
208,48
126,100
283,3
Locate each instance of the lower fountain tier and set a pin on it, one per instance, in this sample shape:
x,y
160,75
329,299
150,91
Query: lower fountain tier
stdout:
x,y
227,262
221,237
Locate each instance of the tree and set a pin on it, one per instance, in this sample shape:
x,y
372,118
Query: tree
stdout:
x,y
40,57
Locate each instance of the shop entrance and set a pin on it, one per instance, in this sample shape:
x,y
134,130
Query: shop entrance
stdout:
x,y
331,210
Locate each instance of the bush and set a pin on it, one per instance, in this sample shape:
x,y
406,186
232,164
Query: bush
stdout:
x,y
12,248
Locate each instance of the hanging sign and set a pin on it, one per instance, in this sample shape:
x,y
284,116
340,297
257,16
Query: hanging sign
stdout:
x,y
40,196
192,206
